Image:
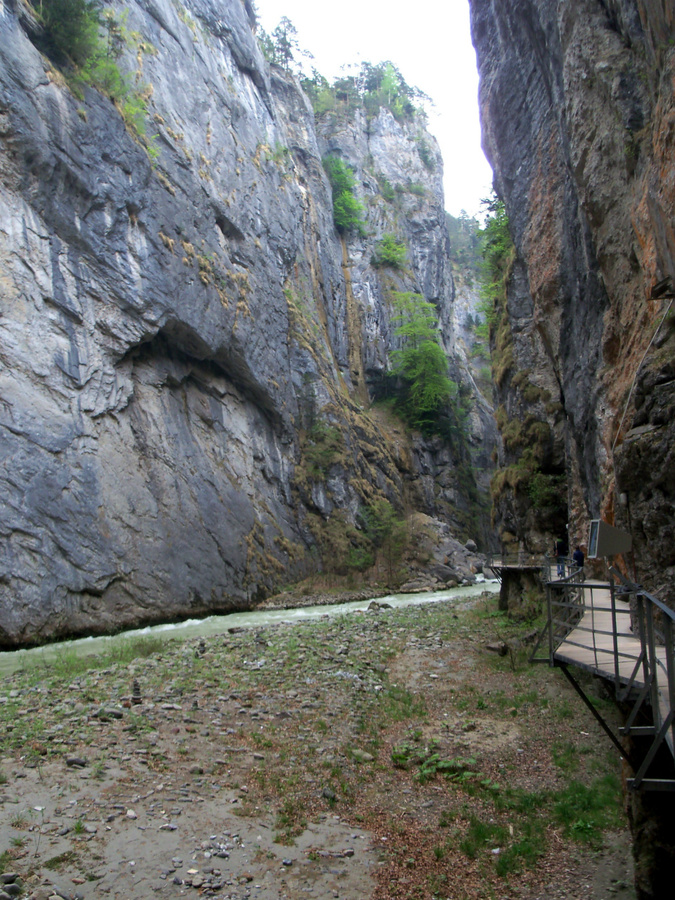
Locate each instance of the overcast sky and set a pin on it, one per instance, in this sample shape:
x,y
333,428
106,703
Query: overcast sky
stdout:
x,y
430,43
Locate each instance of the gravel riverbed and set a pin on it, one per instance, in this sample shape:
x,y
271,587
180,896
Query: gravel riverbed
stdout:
x,y
385,754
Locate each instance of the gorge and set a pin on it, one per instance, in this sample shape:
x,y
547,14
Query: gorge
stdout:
x,y
211,275
190,345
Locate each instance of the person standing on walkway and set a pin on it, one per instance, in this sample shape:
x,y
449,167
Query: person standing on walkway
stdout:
x,y
579,559
560,550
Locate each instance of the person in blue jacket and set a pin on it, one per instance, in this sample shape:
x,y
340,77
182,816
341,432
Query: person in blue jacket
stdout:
x,y
578,559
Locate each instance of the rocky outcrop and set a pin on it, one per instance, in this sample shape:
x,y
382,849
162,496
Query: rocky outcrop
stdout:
x,y
578,108
578,112
177,312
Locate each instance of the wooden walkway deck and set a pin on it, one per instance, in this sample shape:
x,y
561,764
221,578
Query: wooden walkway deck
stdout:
x,y
619,633
629,639
603,642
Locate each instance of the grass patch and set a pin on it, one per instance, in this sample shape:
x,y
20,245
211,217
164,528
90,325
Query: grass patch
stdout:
x,y
480,836
56,863
565,756
523,852
290,822
397,704
585,811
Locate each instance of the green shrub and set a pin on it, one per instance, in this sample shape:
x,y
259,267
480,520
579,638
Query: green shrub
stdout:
x,y
413,187
548,491
347,210
386,189
71,28
322,449
88,42
389,253
428,159
421,363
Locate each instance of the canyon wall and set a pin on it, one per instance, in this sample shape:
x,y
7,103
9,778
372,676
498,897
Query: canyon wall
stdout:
x,y
578,110
188,347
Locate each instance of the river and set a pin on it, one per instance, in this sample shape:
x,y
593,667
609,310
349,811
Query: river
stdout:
x,y
12,660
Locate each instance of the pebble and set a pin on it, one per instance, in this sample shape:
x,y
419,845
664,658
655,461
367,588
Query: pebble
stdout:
x,y
108,712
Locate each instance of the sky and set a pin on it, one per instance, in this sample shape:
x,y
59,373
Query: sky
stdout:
x,y
429,41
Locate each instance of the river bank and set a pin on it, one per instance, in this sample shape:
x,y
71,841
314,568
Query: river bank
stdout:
x,y
383,754
284,608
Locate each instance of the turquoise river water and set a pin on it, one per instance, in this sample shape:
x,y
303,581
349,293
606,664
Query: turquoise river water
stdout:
x,y
191,628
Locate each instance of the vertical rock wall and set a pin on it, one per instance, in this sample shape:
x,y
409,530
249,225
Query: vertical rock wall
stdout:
x,y
578,107
174,314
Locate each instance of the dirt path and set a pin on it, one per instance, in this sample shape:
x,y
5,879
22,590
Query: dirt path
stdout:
x,y
383,755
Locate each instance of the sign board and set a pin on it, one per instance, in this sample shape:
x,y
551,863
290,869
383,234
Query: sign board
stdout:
x,y
605,540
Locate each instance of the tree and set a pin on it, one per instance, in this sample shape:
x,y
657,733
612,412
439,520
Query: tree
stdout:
x,y
386,531
370,87
347,209
281,47
70,28
285,42
389,253
421,361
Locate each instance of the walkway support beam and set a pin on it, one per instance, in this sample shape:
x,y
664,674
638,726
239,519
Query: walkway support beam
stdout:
x,y
596,715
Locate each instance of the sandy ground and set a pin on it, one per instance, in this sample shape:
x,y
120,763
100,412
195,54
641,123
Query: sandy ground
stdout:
x,y
267,764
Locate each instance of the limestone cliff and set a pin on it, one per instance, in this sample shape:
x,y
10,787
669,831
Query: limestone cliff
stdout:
x,y
578,112
178,312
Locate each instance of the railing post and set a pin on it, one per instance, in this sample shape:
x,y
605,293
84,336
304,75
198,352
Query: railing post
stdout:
x,y
592,608
642,629
615,637
670,671
653,664
549,606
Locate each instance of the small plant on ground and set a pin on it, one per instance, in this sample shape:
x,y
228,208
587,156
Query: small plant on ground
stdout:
x,y
585,811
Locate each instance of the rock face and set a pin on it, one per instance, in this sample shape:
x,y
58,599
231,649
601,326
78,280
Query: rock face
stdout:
x,y
173,320
578,114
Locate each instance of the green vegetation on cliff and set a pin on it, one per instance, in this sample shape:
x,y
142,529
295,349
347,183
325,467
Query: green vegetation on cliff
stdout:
x,y
420,363
70,28
87,43
371,88
465,242
389,253
281,48
347,209
529,479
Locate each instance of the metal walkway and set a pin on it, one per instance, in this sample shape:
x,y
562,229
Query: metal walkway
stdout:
x,y
623,635
617,632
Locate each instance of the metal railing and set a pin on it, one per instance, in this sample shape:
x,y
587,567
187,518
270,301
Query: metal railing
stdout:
x,y
625,635
521,560
656,628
